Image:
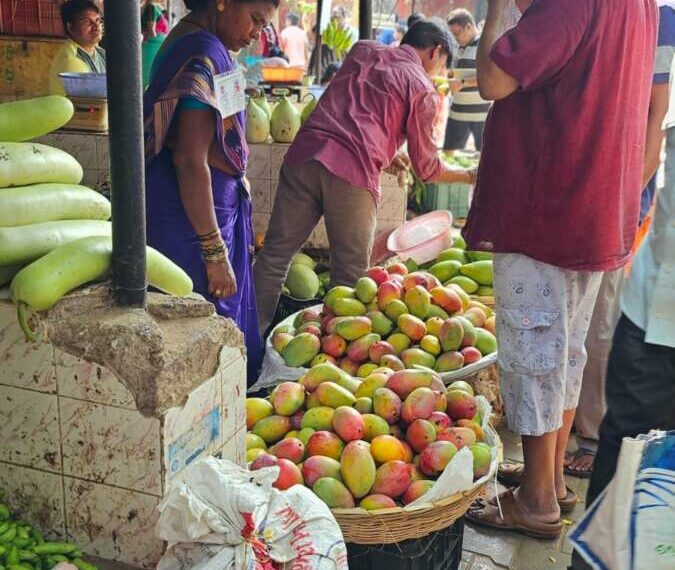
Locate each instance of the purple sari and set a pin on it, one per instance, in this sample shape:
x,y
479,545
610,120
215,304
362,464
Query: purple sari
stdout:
x,y
188,72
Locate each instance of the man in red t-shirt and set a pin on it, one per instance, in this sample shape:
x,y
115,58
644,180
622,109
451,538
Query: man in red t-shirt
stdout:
x,y
557,201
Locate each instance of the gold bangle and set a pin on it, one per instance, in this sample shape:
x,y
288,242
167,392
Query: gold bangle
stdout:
x,y
209,236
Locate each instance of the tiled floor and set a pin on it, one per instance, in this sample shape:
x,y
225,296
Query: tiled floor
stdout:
x,y
485,549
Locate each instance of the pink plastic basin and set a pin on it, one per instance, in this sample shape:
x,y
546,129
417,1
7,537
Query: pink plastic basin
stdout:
x,y
423,238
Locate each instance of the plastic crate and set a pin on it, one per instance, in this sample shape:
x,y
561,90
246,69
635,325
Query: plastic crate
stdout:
x,y
441,550
454,197
31,18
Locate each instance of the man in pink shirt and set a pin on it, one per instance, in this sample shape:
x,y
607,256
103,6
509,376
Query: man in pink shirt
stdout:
x,y
294,42
381,97
557,200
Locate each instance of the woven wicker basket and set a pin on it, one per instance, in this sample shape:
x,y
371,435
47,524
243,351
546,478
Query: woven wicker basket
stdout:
x,y
385,526
487,301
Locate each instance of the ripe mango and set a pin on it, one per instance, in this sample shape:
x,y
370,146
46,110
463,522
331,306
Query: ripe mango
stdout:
x,y
326,372
461,385
449,362
405,381
301,350
320,418
415,490
272,428
482,458
479,271
469,331
253,454
358,468
419,405
474,427
339,292
334,345
486,342
357,350
378,349
409,454
399,341
374,425
280,340
445,270
254,441
304,434
452,334
318,466
348,424
333,395
463,295
413,327
376,502
311,401
475,316
434,325
312,328
430,344
363,405
458,436
437,312
392,478
387,292
349,366
345,307
365,289
392,362
461,405
418,301
325,443
370,384
380,323
289,475
395,309
441,401
387,405
333,493
413,357
447,298
351,328
366,369
386,448
453,253
322,358
287,398
471,354
491,324
414,279
289,448
440,420
419,434
435,457
256,410
487,311
466,283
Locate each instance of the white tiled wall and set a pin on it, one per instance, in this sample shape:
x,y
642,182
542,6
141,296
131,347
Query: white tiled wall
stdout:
x,y
78,460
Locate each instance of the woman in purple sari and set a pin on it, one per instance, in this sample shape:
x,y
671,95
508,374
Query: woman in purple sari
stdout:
x,y
197,198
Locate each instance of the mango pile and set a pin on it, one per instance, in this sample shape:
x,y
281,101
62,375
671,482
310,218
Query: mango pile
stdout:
x,y
395,319
377,442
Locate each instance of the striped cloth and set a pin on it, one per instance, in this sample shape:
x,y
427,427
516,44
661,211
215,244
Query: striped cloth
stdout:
x,y
467,104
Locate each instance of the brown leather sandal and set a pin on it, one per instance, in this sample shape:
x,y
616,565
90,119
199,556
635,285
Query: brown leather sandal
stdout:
x,y
510,473
511,518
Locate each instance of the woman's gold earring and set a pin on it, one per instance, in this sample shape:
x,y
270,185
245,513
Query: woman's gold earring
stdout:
x,y
220,7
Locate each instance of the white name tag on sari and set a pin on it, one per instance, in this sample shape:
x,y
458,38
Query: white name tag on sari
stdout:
x,y
230,92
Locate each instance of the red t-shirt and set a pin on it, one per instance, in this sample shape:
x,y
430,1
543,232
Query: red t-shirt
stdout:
x,y
561,167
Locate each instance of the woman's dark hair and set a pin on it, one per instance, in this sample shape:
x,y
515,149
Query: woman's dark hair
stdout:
x,y
429,33
71,9
414,18
201,4
293,19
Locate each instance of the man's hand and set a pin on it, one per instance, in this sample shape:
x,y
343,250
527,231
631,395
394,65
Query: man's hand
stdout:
x,y
455,85
401,163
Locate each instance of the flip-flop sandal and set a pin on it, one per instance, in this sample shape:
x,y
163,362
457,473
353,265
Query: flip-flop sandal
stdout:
x,y
580,473
513,518
510,473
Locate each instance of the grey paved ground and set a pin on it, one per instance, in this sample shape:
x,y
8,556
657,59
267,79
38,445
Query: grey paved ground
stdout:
x,y
495,550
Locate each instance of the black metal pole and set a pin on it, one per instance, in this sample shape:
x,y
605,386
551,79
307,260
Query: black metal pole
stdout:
x,y
127,173
365,19
317,44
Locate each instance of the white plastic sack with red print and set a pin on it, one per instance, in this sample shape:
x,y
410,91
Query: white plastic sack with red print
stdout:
x,y
222,517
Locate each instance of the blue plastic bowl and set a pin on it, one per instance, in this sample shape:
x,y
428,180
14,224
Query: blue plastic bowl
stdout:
x,y
92,85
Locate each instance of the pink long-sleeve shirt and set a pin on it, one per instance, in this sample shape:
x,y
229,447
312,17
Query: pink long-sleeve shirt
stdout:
x,y
380,98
